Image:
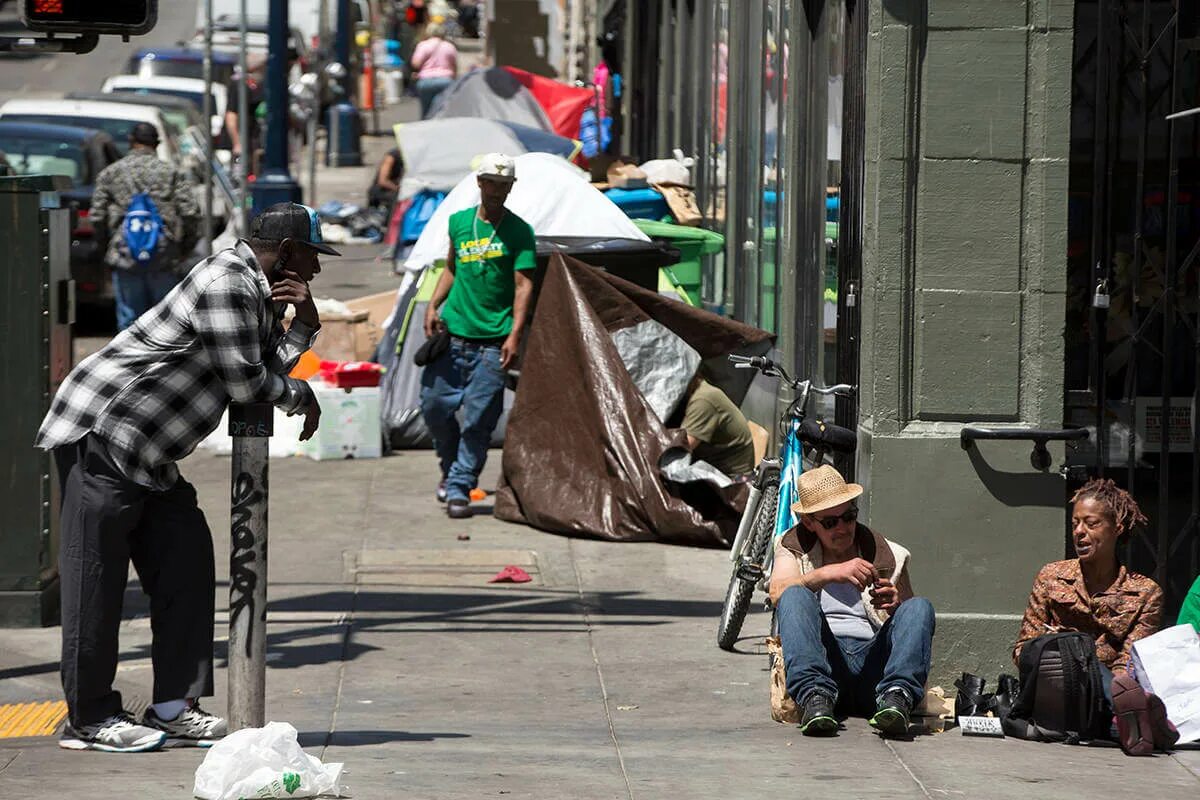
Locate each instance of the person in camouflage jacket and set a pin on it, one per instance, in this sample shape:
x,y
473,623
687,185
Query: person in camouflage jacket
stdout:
x,y
138,288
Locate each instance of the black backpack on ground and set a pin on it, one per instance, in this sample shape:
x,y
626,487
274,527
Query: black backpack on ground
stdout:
x,y
1062,692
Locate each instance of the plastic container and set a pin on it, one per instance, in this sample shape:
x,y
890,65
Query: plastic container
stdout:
x,y
351,374
639,203
693,244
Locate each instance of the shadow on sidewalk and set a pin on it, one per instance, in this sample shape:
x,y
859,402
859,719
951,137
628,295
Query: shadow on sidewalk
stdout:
x,y
498,610
365,738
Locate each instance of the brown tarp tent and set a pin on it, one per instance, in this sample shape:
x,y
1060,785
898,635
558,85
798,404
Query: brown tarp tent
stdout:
x,y
583,444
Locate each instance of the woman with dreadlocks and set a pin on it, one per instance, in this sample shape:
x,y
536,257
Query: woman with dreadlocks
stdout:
x,y
1095,594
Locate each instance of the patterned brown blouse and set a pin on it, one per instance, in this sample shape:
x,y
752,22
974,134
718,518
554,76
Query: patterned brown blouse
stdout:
x,y
1129,610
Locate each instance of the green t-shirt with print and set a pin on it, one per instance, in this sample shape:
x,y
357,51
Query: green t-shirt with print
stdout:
x,y
480,303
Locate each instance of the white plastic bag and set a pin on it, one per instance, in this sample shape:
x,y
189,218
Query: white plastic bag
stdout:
x,y
1168,664
670,170
264,762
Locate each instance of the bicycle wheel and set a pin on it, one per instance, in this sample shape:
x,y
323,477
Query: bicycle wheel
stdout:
x,y
741,586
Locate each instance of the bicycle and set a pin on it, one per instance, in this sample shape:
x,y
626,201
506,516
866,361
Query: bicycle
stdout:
x,y
766,517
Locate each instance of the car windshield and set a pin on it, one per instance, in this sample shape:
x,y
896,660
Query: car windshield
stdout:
x,y
177,121
118,129
195,98
178,69
32,155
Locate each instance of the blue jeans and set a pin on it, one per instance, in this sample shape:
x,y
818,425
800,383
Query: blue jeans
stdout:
x,y
853,671
428,90
136,291
467,376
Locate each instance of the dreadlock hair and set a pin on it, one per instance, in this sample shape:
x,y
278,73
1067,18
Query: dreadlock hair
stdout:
x,y
1124,508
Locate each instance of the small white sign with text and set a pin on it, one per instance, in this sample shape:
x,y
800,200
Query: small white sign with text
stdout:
x,y
980,726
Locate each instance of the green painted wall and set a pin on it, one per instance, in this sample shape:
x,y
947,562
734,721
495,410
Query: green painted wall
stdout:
x,y
964,270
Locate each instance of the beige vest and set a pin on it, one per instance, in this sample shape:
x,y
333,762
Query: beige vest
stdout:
x,y
803,545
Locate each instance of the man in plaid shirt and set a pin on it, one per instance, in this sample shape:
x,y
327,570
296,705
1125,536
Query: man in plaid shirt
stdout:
x,y
118,424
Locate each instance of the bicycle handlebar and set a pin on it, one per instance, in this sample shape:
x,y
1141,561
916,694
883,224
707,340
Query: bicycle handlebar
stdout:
x,y
768,366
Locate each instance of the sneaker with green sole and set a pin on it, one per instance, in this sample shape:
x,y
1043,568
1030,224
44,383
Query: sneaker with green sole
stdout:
x,y
892,711
816,718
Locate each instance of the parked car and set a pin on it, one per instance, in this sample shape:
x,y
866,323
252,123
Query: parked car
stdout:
x,y
115,119
79,154
180,63
180,114
190,89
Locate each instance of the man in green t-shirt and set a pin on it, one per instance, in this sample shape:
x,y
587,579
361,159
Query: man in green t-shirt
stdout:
x,y
482,299
717,431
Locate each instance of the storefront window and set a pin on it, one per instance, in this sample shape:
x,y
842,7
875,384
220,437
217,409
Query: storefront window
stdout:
x,y
831,200
716,156
770,220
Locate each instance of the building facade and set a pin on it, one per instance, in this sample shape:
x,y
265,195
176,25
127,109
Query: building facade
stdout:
x,y
979,213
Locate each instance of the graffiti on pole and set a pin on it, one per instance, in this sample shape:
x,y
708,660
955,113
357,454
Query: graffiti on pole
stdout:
x,y
243,567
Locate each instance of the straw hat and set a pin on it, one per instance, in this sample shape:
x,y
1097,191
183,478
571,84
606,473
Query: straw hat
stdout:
x,y
823,488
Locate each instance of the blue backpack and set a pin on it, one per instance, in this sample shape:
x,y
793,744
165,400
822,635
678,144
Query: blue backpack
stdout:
x,y
142,230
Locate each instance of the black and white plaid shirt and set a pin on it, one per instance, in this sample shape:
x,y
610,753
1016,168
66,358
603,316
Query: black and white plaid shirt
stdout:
x,y
158,388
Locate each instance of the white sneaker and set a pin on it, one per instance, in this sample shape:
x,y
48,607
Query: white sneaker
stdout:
x,y
120,733
194,726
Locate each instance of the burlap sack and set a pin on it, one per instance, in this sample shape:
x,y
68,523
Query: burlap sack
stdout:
x,y
783,707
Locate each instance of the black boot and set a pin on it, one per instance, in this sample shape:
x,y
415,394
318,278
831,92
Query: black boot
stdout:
x,y
969,700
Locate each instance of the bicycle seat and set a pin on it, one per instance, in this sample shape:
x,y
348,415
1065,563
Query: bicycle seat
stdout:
x,y
828,436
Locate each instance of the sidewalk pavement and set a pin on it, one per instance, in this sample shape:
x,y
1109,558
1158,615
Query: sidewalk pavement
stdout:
x,y
389,651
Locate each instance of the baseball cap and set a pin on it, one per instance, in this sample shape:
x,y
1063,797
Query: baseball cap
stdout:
x,y
144,133
497,167
291,221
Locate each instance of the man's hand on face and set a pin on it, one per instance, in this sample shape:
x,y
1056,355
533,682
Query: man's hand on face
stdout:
x,y
312,419
508,352
885,596
291,288
857,571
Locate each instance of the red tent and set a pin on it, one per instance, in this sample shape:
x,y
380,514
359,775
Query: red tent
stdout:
x,y
563,104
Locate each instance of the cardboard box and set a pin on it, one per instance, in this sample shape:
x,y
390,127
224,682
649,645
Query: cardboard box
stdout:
x,y
345,337
350,425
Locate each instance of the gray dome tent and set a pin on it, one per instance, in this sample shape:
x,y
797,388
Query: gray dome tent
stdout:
x,y
492,93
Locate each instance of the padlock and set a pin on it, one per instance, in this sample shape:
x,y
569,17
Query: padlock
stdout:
x,y
851,297
1101,299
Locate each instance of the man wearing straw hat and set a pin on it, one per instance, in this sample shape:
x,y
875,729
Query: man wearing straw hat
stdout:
x,y
855,639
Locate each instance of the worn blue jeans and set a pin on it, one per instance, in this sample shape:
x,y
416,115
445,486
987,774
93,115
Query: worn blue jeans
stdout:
x,y
136,291
467,376
853,671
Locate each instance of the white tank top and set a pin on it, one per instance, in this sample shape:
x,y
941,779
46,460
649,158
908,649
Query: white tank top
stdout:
x,y
842,605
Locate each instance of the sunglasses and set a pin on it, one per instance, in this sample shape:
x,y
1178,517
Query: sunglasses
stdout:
x,y
829,523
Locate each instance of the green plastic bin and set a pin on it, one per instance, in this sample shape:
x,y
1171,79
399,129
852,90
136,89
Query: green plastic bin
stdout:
x,y
692,244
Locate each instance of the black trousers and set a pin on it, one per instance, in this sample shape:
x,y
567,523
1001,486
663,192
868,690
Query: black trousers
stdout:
x,y
107,521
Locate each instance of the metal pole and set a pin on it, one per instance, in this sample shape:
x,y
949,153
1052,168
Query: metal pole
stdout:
x,y
250,426
273,182
275,154
314,121
312,153
244,129
206,245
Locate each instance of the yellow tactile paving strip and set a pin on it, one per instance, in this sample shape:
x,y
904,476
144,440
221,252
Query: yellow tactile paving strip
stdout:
x,y
31,719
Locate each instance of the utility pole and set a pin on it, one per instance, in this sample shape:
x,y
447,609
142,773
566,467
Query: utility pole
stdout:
x,y
207,113
274,182
243,171
251,427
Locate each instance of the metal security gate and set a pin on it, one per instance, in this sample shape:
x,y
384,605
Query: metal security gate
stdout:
x,y
850,216
1133,303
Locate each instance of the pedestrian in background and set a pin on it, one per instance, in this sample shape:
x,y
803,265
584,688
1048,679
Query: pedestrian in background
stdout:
x,y
483,296
117,426
434,65
140,284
